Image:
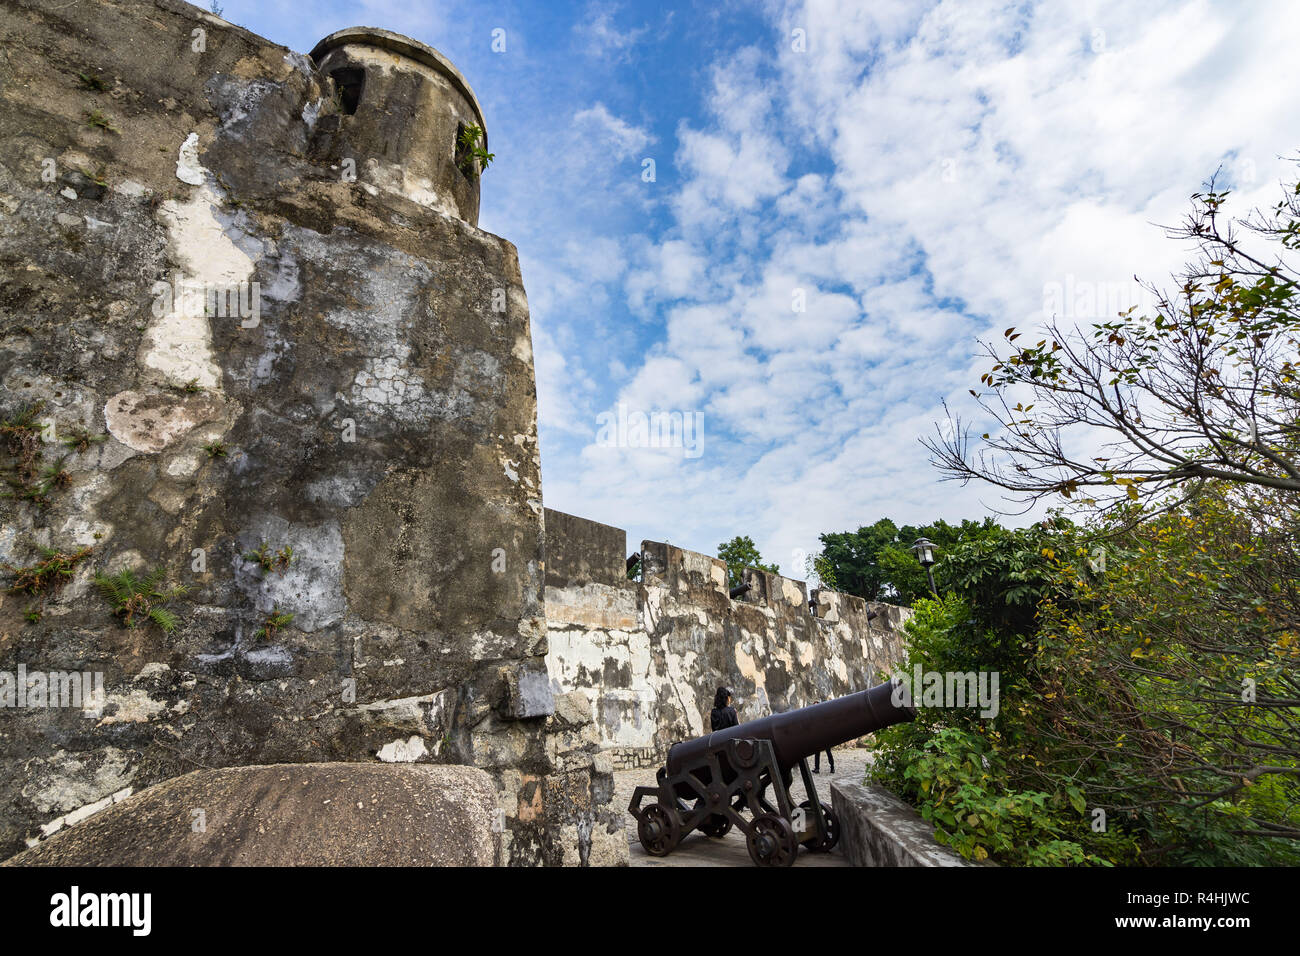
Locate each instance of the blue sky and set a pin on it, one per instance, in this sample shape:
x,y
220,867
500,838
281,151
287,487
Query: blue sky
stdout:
x,y
917,176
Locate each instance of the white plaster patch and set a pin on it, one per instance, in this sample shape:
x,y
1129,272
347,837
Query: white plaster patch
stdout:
x,y
792,593
311,112
398,179
178,345
403,751
184,466
130,188
133,707
311,587
188,168
149,423
385,381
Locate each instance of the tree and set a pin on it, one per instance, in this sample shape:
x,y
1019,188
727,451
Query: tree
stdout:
x,y
876,561
1149,690
854,557
740,553
1204,389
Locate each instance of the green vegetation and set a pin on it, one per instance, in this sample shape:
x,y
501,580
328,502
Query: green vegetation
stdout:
x,y
1206,387
469,147
98,120
22,436
81,438
47,575
1148,651
268,562
740,553
215,449
876,562
271,626
1124,661
140,600
91,81
27,479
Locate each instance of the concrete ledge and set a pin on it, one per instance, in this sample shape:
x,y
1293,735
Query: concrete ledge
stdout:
x,y
312,814
878,829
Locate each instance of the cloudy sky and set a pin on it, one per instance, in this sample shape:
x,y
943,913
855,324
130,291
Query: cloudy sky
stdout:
x,y
847,195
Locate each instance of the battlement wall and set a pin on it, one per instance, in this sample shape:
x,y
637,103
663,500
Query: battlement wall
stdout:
x,y
649,654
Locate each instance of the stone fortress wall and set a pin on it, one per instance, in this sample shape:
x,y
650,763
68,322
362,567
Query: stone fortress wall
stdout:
x,y
648,655
372,420
364,416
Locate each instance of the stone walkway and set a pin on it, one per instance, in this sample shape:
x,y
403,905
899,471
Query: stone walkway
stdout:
x,y
699,850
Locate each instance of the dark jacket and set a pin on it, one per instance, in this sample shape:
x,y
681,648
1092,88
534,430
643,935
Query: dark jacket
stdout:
x,y
720,718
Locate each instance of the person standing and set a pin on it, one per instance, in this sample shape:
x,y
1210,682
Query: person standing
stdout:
x,y
817,759
723,714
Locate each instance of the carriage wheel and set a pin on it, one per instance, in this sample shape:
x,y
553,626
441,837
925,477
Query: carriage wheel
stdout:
x,y
771,841
832,828
658,829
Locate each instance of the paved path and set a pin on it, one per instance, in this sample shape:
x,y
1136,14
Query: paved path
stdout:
x,y
699,850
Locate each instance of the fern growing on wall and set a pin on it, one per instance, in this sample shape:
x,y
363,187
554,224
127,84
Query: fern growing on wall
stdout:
x,y
140,600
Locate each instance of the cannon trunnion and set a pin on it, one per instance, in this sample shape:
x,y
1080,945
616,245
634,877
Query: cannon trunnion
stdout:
x,y
722,779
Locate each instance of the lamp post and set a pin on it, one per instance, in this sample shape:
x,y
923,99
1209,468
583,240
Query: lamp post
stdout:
x,y
924,551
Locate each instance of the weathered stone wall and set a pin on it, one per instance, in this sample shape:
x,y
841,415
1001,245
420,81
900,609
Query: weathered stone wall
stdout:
x,y
648,655
373,409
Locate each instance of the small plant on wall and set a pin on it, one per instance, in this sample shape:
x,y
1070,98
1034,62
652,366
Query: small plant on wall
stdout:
x,y
271,626
269,561
140,600
45,577
469,147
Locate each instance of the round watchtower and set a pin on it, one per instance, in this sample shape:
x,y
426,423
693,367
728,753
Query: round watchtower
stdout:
x,y
404,115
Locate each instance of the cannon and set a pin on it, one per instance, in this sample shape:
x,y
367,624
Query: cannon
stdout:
x,y
721,780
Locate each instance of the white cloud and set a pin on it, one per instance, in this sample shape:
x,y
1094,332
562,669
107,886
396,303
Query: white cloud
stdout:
x,y
622,138
602,37
923,172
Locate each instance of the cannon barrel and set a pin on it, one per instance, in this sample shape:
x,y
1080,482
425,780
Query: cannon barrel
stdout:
x,y
797,734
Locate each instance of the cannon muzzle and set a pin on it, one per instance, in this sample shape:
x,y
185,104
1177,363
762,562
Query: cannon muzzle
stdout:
x,y
797,734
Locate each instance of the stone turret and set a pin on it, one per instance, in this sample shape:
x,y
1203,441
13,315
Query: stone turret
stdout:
x,y
403,107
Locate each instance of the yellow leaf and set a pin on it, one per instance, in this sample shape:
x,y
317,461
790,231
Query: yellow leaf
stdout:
x,y
981,853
